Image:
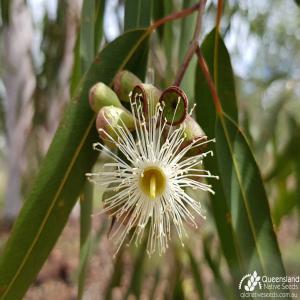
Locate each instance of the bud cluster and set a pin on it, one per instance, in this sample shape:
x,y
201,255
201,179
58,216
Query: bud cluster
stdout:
x,y
112,115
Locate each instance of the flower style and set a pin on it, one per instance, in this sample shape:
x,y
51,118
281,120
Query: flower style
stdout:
x,y
148,179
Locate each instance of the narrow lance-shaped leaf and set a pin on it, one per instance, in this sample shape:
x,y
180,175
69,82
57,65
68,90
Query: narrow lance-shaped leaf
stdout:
x,y
247,199
241,191
186,35
169,45
206,116
213,263
98,32
134,287
5,9
137,14
197,276
87,52
87,34
116,275
178,292
158,13
206,112
62,174
86,209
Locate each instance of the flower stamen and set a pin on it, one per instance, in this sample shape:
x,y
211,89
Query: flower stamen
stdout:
x,y
149,180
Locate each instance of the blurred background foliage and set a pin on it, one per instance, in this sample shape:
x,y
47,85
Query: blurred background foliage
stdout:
x,y
46,47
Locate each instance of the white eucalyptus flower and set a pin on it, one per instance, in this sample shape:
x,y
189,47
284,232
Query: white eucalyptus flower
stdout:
x,y
149,184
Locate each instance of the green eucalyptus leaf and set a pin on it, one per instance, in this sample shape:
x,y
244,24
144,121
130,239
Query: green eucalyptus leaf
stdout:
x,y
246,197
86,210
206,116
285,202
137,277
169,45
213,263
137,14
197,276
85,55
205,109
186,35
87,34
99,17
115,279
158,13
240,205
4,10
62,173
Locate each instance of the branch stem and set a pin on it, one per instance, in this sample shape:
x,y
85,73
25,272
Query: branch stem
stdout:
x,y
177,15
216,50
193,44
213,90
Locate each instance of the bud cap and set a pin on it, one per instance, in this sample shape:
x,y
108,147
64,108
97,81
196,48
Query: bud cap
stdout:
x,y
109,121
102,95
124,83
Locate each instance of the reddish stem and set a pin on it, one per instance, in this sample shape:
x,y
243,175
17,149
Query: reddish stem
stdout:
x,y
219,13
216,50
174,16
193,45
204,68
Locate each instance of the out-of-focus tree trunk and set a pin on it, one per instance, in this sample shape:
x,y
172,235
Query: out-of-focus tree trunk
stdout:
x,y
19,81
52,92
59,92
25,100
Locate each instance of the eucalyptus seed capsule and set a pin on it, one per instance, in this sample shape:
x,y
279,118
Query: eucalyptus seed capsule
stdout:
x,y
148,95
174,102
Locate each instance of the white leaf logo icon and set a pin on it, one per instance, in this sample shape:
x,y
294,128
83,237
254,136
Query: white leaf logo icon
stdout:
x,y
251,280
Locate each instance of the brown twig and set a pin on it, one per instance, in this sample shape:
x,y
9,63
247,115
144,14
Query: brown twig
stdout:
x,y
219,13
198,26
216,49
193,44
204,68
174,16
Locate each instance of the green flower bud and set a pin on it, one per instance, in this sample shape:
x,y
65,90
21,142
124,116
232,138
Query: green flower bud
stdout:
x,y
149,95
102,95
174,102
110,120
192,131
124,83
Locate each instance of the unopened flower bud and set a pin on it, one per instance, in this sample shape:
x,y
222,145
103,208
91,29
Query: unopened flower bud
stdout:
x,y
110,122
102,95
192,132
175,103
124,83
149,95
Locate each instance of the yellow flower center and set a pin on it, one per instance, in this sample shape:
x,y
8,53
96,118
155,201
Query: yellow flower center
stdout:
x,y
153,182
